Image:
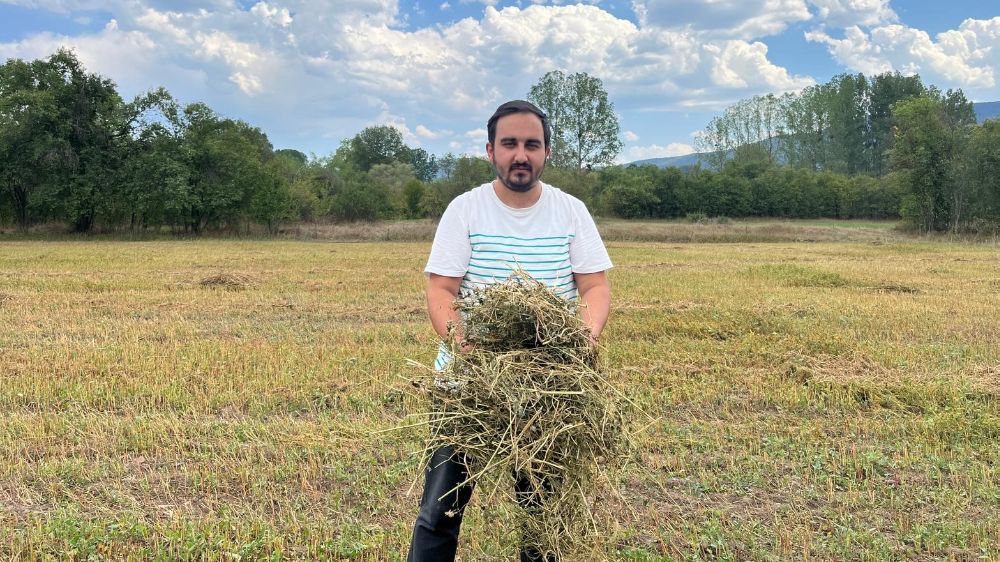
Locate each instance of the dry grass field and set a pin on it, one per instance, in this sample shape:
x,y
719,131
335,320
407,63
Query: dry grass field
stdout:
x,y
230,400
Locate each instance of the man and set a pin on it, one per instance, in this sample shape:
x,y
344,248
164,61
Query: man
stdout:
x,y
513,221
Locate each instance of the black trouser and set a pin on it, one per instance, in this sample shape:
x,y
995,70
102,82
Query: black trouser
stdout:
x,y
435,534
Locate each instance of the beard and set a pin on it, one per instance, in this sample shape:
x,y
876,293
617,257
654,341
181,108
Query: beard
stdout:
x,y
511,181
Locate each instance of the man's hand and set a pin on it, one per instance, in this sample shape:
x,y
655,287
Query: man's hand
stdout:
x,y
595,296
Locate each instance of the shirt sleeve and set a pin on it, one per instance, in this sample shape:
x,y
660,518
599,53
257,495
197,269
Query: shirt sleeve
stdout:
x,y
587,253
451,250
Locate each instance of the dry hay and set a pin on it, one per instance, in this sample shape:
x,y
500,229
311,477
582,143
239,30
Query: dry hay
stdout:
x,y
230,281
894,288
528,402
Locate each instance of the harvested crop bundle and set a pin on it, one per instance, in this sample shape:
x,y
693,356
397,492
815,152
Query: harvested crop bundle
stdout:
x,y
527,408
230,281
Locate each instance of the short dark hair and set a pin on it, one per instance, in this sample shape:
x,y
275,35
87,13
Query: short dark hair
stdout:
x,y
517,106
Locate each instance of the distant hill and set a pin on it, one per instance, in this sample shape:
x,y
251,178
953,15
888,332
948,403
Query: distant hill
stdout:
x,y
984,111
686,161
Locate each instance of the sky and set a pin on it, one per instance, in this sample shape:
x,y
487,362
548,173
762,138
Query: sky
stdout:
x,y
313,73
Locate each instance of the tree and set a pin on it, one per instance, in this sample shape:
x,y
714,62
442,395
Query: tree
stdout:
x,y
31,148
226,158
983,165
292,155
886,90
271,201
392,178
462,173
754,121
59,128
632,199
922,161
584,124
413,193
425,166
380,144
807,120
847,106
576,182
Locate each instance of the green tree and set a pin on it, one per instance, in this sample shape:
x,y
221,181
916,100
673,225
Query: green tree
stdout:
x,y
156,179
578,183
432,202
886,90
271,201
922,161
425,166
413,193
58,147
848,98
633,197
31,145
292,155
226,158
380,144
462,173
754,121
585,129
983,165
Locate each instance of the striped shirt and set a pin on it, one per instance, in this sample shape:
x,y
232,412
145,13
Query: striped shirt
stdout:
x,y
482,240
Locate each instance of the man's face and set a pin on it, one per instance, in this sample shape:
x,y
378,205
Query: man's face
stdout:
x,y
518,151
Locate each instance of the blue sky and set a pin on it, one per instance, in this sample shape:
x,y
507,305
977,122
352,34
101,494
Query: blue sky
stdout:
x,y
312,73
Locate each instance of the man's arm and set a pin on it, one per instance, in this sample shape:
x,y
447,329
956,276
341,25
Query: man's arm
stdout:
x,y
595,296
441,294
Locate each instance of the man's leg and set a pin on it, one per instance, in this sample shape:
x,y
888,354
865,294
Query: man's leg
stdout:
x,y
435,534
530,498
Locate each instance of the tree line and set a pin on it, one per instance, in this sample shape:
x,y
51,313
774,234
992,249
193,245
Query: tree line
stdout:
x,y
74,152
919,142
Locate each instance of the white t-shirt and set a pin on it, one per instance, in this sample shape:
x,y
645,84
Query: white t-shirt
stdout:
x,y
481,240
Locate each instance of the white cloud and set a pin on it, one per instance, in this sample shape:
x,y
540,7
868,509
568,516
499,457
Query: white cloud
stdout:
x,y
743,19
130,57
425,133
845,13
630,136
968,57
656,151
241,57
854,51
272,15
739,64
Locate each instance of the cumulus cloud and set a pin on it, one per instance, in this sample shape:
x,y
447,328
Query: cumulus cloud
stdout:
x,y
272,15
967,57
739,64
130,57
629,136
846,13
424,132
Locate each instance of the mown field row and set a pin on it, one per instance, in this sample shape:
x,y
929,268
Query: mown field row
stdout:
x,y
221,400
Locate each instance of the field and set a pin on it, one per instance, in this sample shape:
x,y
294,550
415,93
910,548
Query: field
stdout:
x,y
235,400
